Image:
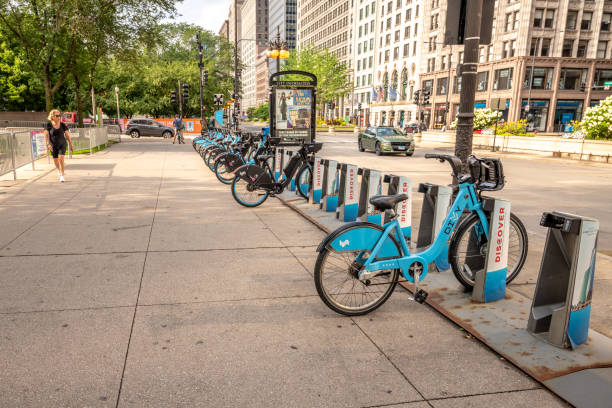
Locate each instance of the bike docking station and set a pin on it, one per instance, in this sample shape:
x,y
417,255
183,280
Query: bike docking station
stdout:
x,y
561,307
314,190
490,278
348,203
278,164
329,196
401,185
371,185
436,201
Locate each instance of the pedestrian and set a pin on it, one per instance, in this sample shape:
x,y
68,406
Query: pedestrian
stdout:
x,y
178,126
56,134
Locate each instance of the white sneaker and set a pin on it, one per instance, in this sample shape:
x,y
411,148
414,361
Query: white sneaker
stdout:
x,y
62,179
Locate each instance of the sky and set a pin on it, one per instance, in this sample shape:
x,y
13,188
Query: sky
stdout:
x,y
208,14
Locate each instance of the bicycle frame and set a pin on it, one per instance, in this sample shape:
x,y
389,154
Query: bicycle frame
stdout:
x,y
467,198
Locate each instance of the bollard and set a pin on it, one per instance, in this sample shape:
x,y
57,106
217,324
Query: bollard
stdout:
x,y
329,198
402,185
433,212
371,185
490,281
348,204
314,190
278,163
561,306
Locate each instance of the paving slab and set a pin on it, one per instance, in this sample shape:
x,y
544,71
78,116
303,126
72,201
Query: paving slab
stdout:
x,y
63,359
514,399
38,283
206,276
266,353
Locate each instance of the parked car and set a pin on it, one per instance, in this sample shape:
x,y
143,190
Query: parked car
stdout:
x,y
414,127
148,127
385,139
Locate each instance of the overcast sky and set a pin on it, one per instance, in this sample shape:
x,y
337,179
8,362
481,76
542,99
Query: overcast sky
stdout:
x,y
205,13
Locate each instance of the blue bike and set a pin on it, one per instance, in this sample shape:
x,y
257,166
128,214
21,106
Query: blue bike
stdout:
x,y
359,264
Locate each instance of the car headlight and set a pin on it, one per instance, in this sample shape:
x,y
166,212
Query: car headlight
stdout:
x,y
386,144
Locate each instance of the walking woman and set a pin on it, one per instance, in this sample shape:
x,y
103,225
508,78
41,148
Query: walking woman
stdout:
x,y
55,136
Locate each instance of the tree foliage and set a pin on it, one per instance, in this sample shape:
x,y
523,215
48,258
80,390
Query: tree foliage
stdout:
x,y
333,81
597,121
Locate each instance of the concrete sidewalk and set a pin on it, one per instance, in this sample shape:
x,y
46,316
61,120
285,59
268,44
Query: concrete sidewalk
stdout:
x,y
140,282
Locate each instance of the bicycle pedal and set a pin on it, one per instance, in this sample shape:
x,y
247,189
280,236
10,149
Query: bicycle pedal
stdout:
x,y
421,296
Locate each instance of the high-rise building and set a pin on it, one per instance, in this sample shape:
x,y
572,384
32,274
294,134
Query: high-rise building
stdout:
x,y
254,19
262,75
224,30
547,62
327,24
388,40
282,17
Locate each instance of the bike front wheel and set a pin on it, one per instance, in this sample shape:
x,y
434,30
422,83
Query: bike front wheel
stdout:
x,y
303,180
468,249
247,194
223,173
337,281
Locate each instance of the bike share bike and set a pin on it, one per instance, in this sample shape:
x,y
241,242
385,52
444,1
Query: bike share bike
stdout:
x,y
359,264
240,154
255,182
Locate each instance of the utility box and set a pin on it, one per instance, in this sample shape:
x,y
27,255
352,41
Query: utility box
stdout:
x,y
561,306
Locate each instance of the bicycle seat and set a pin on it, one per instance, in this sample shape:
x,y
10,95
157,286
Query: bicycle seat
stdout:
x,y
387,202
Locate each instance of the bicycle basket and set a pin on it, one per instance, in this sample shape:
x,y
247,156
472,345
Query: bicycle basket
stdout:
x,y
487,173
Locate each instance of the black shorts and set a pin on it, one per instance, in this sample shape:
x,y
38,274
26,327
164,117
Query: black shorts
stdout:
x,y
59,149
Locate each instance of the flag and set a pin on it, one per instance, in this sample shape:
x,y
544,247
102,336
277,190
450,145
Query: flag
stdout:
x,y
392,94
374,95
381,94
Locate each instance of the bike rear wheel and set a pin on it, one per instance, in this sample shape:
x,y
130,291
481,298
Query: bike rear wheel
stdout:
x,y
338,285
468,248
303,180
246,194
223,173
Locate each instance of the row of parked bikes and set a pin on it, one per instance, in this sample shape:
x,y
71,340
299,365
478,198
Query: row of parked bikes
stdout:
x,y
360,263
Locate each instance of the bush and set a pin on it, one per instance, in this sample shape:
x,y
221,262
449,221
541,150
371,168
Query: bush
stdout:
x,y
483,118
262,113
597,122
513,128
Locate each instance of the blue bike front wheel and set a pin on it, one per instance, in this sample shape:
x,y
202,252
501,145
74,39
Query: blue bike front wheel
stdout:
x,y
337,270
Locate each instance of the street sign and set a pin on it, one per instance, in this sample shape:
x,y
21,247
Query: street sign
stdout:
x,y
218,99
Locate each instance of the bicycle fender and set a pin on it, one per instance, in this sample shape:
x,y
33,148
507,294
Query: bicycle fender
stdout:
x,y
348,238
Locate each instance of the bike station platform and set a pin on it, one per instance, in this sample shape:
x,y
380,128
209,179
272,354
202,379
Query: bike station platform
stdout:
x,y
141,282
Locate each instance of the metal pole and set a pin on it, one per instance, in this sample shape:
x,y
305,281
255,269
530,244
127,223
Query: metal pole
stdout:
x,y
465,118
448,88
201,65
93,103
32,152
117,100
235,62
494,134
12,137
180,98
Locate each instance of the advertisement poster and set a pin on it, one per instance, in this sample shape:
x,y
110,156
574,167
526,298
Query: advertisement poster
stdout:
x,y
583,289
39,147
293,108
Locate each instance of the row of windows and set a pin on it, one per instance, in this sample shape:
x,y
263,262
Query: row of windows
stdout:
x,y
544,18
364,63
327,17
396,52
338,25
361,80
397,35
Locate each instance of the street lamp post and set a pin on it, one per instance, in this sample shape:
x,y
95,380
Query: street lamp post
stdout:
x,y
278,49
201,66
117,100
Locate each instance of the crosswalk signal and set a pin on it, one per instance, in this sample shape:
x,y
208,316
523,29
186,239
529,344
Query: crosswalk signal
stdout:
x,y
173,97
185,94
359,106
417,96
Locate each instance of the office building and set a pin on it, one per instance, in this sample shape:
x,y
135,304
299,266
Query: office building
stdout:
x,y
282,17
254,39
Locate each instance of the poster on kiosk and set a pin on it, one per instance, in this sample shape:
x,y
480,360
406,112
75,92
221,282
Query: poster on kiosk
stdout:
x,y
292,108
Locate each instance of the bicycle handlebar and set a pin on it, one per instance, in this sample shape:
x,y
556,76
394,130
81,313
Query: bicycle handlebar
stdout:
x,y
452,160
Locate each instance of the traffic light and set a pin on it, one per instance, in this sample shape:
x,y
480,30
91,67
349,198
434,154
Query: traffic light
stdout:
x,y
426,93
582,87
173,97
205,77
185,94
359,106
417,97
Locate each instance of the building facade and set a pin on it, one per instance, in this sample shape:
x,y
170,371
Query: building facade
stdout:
x,y
262,74
224,30
282,17
397,63
254,31
547,62
327,24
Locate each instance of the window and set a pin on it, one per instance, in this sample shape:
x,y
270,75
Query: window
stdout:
x,y
461,57
414,48
398,19
360,31
416,28
568,47
542,78
457,85
573,78
365,29
583,45
533,49
361,14
606,21
503,79
387,56
481,55
389,23
358,65
398,4
359,48
371,43
545,47
390,7
585,24
572,18
369,78
397,35
515,22
388,39
441,86
370,61
416,11
602,46
550,16
427,84
506,49
482,81
396,53
443,62
407,32
508,24
408,14
537,17
602,76
406,49
372,26
365,46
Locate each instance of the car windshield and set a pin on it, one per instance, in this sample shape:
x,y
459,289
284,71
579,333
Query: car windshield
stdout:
x,y
156,123
387,132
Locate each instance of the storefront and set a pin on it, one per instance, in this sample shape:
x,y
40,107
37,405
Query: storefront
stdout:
x,y
426,115
439,118
566,112
536,114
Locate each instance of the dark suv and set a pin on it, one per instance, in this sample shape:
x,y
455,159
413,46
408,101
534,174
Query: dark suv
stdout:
x,y
148,127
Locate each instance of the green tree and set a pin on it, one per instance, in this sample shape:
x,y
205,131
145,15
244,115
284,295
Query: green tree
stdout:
x,y
333,81
597,121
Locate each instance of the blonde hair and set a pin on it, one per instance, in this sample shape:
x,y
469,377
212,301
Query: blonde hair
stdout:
x,y
53,112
